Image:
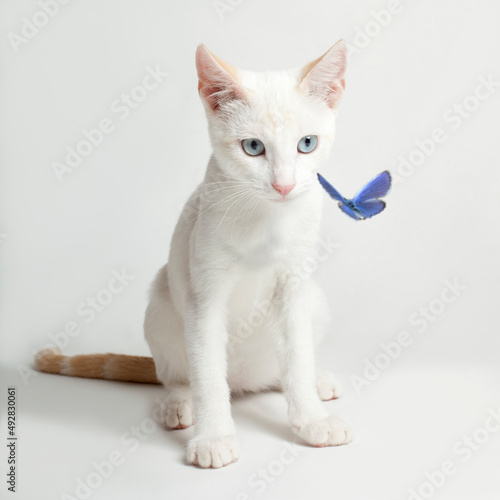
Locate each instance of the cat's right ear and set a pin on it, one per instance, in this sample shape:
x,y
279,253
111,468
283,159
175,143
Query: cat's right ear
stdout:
x,y
217,80
324,78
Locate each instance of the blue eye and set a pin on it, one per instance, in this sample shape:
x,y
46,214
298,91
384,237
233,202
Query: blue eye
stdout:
x,y
307,143
252,147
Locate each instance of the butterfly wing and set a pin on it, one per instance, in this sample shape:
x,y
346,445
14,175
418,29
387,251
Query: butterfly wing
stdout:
x,y
331,190
366,203
370,208
376,188
349,211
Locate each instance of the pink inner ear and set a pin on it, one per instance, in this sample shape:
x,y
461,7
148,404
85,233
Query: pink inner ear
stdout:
x,y
336,92
324,77
217,82
217,93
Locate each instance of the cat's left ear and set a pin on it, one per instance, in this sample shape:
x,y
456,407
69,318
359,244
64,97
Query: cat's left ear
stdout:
x,y
217,80
325,77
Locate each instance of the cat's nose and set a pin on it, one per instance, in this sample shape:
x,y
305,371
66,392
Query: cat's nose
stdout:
x,y
283,190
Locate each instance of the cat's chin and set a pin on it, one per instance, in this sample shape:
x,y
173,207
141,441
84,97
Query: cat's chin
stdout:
x,y
285,199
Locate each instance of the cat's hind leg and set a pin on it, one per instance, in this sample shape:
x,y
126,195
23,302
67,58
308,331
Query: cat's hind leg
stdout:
x,y
328,385
176,411
163,328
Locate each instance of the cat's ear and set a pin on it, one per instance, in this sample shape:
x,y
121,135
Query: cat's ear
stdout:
x,y
217,80
325,77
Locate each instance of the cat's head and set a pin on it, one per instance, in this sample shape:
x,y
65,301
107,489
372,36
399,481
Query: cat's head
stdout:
x,y
273,130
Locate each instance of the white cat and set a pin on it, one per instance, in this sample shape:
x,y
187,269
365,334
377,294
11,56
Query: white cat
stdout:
x,y
252,220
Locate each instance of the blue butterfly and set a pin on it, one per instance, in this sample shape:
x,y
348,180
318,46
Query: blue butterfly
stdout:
x,y
365,203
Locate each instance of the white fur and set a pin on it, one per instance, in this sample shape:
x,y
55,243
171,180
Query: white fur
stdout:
x,y
232,255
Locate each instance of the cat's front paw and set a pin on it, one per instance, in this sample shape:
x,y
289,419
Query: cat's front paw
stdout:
x,y
213,452
328,431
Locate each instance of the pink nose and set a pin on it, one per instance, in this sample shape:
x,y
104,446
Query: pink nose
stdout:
x,y
283,190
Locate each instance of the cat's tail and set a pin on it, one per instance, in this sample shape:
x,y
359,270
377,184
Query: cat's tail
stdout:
x,y
104,366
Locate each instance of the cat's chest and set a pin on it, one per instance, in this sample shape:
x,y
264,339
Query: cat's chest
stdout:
x,y
272,240
266,248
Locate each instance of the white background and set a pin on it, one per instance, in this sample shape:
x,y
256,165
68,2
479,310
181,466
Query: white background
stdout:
x,y
60,241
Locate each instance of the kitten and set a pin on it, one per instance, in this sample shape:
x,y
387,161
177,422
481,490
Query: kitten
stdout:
x,y
252,220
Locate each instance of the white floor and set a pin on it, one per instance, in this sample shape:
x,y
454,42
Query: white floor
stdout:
x,y
407,422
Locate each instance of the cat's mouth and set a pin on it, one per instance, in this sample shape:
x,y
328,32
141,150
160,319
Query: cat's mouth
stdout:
x,y
283,199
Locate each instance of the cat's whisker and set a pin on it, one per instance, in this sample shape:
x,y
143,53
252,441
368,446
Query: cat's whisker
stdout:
x,y
238,199
230,179
236,184
226,182
249,195
227,198
213,191
249,215
220,174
